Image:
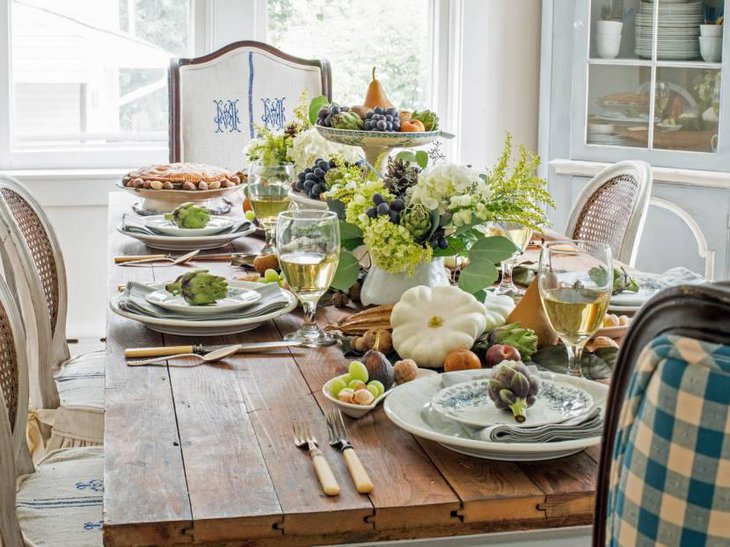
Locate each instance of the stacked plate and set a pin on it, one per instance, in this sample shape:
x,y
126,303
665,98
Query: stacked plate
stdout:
x,y
678,29
462,418
159,233
246,306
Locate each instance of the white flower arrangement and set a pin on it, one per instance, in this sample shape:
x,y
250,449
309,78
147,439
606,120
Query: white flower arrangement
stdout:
x,y
308,145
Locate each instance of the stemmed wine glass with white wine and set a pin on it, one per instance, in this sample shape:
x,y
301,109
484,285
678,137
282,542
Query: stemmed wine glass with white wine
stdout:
x,y
575,279
268,191
520,235
308,245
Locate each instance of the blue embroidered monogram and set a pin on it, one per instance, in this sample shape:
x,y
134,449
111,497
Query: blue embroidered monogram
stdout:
x,y
94,484
274,116
226,116
92,525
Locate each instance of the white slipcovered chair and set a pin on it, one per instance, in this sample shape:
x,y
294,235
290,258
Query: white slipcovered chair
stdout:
x,y
59,501
73,389
611,209
218,100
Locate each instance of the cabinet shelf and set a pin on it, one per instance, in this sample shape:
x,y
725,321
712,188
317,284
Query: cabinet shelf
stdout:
x,y
648,63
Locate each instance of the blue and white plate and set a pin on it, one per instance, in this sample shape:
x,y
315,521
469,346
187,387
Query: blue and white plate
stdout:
x,y
469,403
160,224
236,299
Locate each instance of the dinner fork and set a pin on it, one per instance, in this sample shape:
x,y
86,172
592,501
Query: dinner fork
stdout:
x,y
304,438
338,437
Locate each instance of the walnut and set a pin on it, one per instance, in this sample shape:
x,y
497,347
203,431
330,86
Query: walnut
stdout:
x,y
202,185
214,185
156,185
189,186
405,371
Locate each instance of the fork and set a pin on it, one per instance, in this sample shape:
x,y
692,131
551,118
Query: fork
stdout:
x,y
338,436
304,438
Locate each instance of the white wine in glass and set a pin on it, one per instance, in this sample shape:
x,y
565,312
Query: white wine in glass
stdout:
x,y
519,235
575,280
268,192
308,245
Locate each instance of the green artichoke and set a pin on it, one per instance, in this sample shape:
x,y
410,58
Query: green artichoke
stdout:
x,y
522,339
429,119
417,220
347,120
188,215
199,288
513,386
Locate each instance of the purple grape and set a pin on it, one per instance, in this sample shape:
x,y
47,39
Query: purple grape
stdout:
x,y
372,213
397,205
319,173
383,209
380,125
442,243
378,199
394,217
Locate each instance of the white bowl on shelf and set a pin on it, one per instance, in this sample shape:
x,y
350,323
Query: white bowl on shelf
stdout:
x,y
608,45
711,48
711,30
609,27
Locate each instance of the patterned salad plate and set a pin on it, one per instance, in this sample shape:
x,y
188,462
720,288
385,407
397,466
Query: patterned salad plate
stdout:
x,y
188,243
169,228
237,299
469,403
409,407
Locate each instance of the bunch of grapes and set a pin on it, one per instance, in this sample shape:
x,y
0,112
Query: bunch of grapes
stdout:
x,y
382,208
324,116
438,238
311,180
382,119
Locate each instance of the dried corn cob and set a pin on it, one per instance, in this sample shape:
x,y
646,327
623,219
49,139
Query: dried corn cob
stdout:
x,y
373,318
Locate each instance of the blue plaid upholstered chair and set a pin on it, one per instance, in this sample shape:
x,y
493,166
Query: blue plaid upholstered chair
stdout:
x,y
664,477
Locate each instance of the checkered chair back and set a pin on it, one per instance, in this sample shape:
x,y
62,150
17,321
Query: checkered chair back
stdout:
x,y
665,468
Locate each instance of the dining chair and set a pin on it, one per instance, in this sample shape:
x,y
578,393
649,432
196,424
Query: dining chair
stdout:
x,y
59,501
218,100
34,267
664,472
612,207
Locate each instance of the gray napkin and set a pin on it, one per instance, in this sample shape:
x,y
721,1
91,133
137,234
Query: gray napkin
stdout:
x,y
650,284
132,226
579,427
133,300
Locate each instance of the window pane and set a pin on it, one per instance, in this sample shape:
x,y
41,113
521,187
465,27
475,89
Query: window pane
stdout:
x,y
355,36
91,72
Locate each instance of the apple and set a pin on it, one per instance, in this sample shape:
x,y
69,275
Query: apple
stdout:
x,y
501,352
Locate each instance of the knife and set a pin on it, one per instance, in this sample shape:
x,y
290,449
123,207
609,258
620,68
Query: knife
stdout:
x,y
223,257
251,347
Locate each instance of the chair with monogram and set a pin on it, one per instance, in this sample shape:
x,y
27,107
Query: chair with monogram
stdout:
x,y
218,100
59,501
664,476
612,207
34,267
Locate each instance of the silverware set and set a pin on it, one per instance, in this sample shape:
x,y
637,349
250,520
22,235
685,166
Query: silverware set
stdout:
x,y
304,438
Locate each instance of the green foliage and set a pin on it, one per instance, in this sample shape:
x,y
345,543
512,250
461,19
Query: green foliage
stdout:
x,y
315,106
521,195
269,148
419,157
348,269
595,366
483,255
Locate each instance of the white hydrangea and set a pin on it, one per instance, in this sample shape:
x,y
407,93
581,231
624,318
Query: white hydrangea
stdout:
x,y
309,145
452,188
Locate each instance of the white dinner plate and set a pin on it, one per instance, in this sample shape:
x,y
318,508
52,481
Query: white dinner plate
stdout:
x,y
237,298
469,403
167,227
218,327
409,407
175,243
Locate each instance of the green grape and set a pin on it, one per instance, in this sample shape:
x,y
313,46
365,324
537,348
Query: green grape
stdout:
x,y
356,384
347,378
250,216
336,386
271,276
374,390
378,385
359,371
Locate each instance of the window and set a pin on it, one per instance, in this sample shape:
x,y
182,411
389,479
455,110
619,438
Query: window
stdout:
x,y
90,75
395,37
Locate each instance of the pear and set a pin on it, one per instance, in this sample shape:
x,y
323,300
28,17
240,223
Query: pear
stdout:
x,y
376,95
530,314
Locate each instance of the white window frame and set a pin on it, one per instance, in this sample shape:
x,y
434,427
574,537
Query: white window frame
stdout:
x,y
215,24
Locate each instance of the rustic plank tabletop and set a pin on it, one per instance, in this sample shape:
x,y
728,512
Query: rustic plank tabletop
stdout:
x,y
205,454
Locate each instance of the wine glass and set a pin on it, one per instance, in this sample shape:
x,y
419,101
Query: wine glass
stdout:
x,y
308,245
268,191
519,235
575,279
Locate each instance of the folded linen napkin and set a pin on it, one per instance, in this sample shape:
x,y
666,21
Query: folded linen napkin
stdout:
x,y
132,226
133,300
579,427
650,284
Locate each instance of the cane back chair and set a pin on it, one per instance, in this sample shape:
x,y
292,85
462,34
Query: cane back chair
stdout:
x,y
612,207
218,100
35,269
664,473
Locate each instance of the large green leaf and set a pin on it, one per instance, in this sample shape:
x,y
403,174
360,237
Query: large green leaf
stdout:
x,y
336,206
422,159
347,271
477,276
456,247
595,366
492,249
349,231
314,106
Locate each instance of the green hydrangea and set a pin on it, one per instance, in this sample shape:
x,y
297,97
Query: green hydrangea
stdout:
x,y
392,247
360,199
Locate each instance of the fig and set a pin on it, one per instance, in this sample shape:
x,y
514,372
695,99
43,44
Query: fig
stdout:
x,y
501,352
379,368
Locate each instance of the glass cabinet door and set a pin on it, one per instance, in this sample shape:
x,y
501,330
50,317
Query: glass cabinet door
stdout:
x,y
653,75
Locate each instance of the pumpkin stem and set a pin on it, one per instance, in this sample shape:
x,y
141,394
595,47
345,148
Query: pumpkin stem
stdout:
x,y
435,321
373,73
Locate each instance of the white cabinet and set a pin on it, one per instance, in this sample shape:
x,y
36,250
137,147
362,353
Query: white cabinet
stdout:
x,y
633,79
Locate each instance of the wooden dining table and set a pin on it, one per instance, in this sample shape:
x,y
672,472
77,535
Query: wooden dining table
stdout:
x,y
206,454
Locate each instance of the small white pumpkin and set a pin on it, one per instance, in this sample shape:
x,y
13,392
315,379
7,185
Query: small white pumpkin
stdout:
x,y
429,323
498,307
